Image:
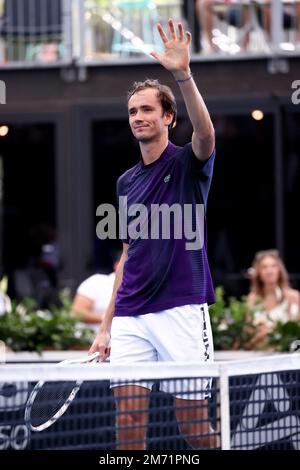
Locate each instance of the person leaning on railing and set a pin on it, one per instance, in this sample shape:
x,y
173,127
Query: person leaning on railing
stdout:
x,y
93,295
290,17
233,13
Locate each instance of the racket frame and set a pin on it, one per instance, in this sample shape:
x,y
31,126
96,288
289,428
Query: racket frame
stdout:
x,y
68,401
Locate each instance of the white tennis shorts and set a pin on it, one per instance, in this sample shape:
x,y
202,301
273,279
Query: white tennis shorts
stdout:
x,y
180,334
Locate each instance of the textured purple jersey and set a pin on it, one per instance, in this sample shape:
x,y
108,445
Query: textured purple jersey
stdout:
x,y
160,272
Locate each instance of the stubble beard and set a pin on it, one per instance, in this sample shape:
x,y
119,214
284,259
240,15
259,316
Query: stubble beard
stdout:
x,y
148,139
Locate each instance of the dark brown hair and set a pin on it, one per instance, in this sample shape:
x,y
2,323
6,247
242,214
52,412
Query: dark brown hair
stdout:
x,y
164,95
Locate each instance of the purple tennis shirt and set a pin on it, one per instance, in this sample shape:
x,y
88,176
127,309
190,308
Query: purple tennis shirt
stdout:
x,y
160,272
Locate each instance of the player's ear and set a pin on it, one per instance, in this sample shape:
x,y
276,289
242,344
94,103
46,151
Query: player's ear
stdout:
x,y
169,118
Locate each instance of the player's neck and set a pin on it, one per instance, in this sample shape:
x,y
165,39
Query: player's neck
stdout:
x,y
152,150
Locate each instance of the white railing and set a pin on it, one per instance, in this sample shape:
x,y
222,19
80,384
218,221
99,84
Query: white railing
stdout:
x,y
81,32
35,32
126,30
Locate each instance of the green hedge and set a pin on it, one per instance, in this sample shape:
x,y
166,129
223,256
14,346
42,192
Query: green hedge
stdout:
x,y
27,328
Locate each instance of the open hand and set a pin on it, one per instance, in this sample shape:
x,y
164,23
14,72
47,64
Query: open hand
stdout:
x,y
176,56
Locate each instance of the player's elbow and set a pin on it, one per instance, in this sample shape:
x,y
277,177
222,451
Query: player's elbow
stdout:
x,y
208,138
203,145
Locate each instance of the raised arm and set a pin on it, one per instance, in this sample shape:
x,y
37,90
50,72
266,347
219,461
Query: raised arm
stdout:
x,y
176,59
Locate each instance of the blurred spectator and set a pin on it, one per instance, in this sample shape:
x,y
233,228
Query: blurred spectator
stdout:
x,y
190,14
234,15
36,270
93,296
5,303
290,20
32,29
44,251
271,299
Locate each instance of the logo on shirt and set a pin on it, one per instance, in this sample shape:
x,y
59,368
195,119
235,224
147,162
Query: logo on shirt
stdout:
x,y
167,178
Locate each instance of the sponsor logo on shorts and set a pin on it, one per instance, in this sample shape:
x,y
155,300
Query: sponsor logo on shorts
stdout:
x,y
205,336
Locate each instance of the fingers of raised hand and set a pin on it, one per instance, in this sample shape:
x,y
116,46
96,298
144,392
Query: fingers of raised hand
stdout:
x,y
188,38
180,32
172,29
173,34
162,33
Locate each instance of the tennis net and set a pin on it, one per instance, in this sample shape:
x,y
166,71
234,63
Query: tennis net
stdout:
x,y
250,404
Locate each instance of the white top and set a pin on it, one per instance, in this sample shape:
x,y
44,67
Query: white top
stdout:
x,y
98,288
5,304
279,313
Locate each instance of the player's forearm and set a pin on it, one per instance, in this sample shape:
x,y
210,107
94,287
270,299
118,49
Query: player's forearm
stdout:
x,y
108,316
203,129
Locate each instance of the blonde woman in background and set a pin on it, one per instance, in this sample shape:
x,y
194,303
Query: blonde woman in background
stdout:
x,y
271,298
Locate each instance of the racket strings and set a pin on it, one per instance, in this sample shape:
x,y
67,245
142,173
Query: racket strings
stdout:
x,y
51,397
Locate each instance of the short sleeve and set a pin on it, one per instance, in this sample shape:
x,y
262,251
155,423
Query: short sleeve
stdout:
x,y
202,170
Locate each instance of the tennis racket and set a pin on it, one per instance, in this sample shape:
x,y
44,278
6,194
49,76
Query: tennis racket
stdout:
x,y
48,401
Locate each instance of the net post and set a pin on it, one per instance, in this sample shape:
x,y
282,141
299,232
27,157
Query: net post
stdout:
x,y
224,408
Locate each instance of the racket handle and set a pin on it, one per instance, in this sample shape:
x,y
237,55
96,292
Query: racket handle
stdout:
x,y
81,360
93,356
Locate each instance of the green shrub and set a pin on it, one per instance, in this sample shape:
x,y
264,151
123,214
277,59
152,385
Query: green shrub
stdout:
x,y
284,336
232,326
26,328
231,322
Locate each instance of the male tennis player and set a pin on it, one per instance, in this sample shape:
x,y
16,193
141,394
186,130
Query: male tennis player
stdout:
x,y
158,310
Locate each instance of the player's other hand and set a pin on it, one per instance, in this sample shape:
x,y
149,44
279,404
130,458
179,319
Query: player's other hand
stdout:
x,y
101,344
